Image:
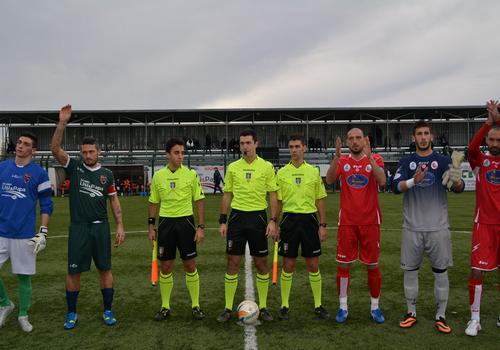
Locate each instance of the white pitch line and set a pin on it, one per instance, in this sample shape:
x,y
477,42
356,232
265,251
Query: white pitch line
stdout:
x,y
216,228
250,331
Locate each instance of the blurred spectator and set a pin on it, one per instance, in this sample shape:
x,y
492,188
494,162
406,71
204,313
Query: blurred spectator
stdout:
x,y
217,180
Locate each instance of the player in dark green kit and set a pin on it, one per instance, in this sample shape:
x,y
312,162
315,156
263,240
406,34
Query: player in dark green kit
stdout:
x,y
89,234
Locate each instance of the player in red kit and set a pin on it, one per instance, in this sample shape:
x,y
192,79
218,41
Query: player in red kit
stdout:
x,y
361,173
486,232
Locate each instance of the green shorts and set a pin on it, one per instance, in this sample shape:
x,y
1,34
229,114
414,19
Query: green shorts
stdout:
x,y
89,241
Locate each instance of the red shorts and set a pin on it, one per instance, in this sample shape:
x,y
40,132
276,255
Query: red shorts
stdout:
x,y
366,237
485,247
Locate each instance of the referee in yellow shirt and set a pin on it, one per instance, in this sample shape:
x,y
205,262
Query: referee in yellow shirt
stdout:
x,y
301,195
247,182
173,190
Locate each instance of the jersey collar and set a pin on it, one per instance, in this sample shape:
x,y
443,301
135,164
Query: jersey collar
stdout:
x,y
97,167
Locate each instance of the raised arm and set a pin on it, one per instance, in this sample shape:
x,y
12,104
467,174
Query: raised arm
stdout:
x,y
331,174
55,147
378,172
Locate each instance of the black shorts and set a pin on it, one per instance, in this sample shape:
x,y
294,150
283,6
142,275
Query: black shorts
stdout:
x,y
299,229
247,226
176,233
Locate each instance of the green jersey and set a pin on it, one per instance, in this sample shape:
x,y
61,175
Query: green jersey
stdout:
x,y
88,192
250,183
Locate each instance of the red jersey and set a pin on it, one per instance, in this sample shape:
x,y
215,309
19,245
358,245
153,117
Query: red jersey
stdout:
x,y
359,191
487,170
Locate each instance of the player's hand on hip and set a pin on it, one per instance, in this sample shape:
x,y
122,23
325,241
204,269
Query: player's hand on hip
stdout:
x,y
323,233
223,230
420,174
151,233
39,241
199,235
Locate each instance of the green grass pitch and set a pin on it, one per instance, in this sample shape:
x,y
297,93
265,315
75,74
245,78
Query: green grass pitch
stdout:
x,y
136,301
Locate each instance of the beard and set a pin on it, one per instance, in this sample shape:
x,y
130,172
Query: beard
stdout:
x,y
356,151
419,148
90,162
494,151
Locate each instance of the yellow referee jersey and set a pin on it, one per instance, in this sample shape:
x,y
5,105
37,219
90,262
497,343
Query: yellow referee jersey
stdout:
x,y
299,188
250,183
175,191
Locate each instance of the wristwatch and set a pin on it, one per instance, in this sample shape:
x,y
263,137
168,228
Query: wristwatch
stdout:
x,y
323,224
202,226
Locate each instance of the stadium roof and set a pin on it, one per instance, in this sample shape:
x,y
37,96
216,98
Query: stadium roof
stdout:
x,y
245,116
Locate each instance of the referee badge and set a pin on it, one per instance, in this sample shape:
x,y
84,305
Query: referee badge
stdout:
x,y
248,176
172,184
298,180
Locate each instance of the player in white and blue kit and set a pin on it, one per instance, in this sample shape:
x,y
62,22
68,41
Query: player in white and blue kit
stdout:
x,y
23,184
425,221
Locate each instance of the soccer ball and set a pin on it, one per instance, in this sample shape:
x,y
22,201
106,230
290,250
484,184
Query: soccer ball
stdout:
x,y
248,312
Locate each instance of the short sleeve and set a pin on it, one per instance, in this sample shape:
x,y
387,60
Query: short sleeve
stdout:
x,y
197,189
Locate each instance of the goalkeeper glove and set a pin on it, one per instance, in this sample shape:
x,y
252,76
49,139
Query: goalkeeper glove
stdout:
x,y
39,241
454,174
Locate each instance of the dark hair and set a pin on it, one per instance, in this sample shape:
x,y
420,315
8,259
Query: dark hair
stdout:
x,y
29,134
249,132
90,140
173,142
421,124
298,137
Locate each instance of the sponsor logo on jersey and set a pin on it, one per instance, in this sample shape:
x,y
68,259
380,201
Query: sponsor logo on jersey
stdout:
x,y
368,168
434,165
298,180
493,176
26,178
413,166
357,180
347,167
486,162
90,189
428,180
13,192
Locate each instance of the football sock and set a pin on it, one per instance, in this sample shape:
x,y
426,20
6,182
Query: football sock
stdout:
x,y
262,289
315,281
411,290
285,286
193,286
475,291
343,281
71,298
166,285
374,284
4,298
24,294
107,297
441,291
230,286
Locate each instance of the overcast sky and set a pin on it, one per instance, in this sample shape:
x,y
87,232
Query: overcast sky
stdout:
x,y
129,54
